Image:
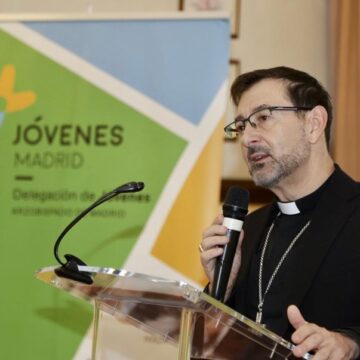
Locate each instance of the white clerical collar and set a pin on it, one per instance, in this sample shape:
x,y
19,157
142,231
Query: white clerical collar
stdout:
x,y
288,208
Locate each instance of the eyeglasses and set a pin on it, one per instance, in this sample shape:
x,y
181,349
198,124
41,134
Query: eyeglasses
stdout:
x,y
261,118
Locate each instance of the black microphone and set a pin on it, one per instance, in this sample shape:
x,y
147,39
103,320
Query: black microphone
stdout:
x,y
235,208
70,269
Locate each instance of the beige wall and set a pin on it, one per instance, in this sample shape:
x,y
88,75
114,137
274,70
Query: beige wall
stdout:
x,y
30,6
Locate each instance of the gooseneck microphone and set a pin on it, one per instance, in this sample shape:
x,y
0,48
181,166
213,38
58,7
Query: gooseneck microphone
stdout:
x,y
70,268
235,208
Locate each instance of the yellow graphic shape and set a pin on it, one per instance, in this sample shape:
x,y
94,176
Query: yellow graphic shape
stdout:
x,y
15,101
195,208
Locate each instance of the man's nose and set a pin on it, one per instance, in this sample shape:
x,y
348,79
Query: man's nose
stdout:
x,y
250,135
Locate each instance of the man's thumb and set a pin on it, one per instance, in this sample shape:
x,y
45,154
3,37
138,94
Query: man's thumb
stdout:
x,y
295,317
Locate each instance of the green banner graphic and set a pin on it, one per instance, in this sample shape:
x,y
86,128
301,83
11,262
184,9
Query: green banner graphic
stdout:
x,y
63,144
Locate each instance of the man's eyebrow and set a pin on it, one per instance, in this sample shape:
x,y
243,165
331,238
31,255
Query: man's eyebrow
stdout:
x,y
256,108
259,107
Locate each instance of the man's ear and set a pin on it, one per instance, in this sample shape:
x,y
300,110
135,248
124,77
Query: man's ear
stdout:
x,y
316,123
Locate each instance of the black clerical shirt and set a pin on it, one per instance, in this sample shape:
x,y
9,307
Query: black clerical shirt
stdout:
x,y
285,228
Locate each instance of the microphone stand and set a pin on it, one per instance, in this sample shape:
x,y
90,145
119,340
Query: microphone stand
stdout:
x,y
70,269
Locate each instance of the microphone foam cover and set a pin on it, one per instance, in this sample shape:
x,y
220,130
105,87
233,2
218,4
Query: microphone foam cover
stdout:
x,y
237,196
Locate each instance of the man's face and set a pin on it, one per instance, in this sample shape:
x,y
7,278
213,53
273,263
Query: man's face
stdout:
x,y
276,151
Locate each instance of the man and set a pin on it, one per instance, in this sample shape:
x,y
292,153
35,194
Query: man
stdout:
x,y
297,266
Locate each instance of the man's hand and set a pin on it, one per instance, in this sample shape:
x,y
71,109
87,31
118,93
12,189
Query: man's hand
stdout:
x,y
327,345
214,238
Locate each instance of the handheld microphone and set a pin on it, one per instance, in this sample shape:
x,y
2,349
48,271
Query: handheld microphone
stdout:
x,y
235,208
70,269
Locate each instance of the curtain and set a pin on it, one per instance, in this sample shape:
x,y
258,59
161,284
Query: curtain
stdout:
x,y
345,56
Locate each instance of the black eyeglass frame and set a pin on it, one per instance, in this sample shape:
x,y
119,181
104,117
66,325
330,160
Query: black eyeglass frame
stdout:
x,y
228,129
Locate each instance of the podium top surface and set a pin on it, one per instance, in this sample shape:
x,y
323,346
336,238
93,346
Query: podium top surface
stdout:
x,y
156,305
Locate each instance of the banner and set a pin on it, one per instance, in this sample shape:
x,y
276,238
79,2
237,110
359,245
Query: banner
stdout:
x,y
86,106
